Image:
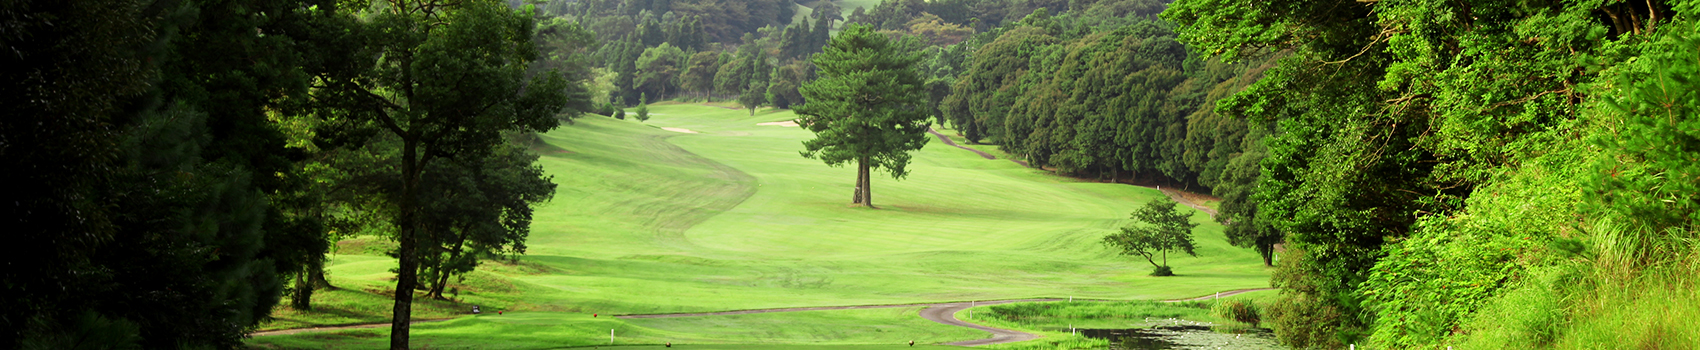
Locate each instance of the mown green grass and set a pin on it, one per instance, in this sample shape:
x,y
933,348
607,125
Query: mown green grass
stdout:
x,y
545,330
652,221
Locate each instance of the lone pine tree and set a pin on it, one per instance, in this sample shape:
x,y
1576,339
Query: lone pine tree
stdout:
x,y
869,106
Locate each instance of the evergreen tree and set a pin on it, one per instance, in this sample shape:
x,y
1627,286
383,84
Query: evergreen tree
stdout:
x,y
868,107
753,96
698,77
643,108
819,36
859,15
782,93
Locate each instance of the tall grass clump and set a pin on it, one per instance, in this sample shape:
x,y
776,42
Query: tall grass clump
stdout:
x,y
1243,311
1065,342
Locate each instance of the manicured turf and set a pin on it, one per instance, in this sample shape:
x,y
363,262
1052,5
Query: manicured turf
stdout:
x,y
653,221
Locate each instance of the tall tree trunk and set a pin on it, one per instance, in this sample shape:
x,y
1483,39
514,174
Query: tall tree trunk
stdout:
x,y
316,274
302,298
867,184
1268,252
407,275
443,267
857,197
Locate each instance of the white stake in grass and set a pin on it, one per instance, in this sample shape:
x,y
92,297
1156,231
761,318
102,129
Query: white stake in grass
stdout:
x,y
610,336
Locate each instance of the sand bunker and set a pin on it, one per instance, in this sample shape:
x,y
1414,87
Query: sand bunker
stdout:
x,y
788,123
683,130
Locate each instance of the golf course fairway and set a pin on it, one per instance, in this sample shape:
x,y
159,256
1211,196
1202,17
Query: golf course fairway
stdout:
x,y
730,217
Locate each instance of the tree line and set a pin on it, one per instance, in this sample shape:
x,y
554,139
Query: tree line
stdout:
x,y
1489,174
1105,90
180,164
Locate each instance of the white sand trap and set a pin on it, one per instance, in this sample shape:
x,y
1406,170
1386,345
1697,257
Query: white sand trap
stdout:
x,y
683,130
788,123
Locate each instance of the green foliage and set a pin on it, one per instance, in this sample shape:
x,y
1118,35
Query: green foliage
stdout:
x,y
1242,311
564,48
659,69
753,96
869,105
784,91
643,110
699,74
1159,229
1499,153
445,93
480,207
692,23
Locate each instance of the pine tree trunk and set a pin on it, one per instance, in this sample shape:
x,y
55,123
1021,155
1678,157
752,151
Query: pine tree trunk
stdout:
x,y
856,198
316,273
1268,252
867,184
407,276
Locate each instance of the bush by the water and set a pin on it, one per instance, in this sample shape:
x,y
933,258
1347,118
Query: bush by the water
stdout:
x,y
1243,311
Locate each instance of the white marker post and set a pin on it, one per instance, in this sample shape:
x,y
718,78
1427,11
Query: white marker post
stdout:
x,y
610,336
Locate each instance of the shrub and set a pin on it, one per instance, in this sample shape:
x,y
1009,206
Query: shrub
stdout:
x,y
1162,271
1243,311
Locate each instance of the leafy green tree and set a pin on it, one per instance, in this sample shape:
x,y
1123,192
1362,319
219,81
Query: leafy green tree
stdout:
x,y
658,71
451,81
148,180
1238,215
753,96
698,77
733,76
1160,230
827,11
859,15
782,93
480,207
868,106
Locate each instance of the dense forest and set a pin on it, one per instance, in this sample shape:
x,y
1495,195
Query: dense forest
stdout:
x,y
1487,174
1499,174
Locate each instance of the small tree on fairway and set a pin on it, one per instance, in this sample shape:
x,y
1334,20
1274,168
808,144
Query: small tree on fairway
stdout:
x,y
620,113
869,105
643,108
1160,229
753,96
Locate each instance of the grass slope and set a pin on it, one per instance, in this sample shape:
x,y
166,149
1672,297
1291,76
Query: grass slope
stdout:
x,y
653,221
